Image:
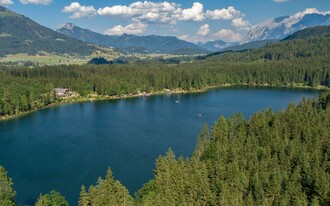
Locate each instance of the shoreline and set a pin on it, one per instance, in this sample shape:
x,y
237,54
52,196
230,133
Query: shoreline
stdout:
x,y
79,99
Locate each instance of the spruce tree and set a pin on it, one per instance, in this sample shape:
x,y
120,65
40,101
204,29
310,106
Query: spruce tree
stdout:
x,y
54,198
84,198
7,193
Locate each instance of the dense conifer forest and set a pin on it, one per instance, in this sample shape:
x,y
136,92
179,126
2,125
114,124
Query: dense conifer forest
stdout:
x,y
25,89
300,61
271,159
280,158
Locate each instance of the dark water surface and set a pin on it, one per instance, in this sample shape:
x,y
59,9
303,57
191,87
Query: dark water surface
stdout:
x,y
64,147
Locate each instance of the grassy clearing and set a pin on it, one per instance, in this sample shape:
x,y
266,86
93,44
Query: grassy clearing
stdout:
x,y
44,59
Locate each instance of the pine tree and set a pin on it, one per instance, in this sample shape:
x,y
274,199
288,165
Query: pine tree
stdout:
x,y
84,198
54,198
108,191
7,193
202,142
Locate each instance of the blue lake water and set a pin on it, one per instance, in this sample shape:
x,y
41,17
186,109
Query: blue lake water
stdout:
x,y
64,147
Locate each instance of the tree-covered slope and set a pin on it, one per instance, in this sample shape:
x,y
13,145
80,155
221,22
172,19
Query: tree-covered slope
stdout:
x,y
313,42
271,159
314,32
19,34
250,45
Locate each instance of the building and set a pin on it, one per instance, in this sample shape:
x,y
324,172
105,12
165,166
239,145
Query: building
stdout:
x,y
62,92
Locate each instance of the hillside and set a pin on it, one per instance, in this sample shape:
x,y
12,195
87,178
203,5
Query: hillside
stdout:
x,y
86,35
314,32
19,34
311,42
132,43
250,45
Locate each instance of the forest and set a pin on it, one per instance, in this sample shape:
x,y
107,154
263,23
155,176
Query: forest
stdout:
x,y
301,60
25,89
280,158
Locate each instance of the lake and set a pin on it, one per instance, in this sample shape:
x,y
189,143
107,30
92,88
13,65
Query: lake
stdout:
x,y
64,147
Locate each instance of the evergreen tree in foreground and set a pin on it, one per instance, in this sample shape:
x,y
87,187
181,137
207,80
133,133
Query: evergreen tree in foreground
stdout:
x,y
7,193
54,198
107,191
272,159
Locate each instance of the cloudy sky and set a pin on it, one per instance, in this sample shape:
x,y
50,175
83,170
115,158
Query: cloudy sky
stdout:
x,y
191,20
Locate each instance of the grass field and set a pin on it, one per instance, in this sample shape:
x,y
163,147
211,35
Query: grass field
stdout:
x,y
44,59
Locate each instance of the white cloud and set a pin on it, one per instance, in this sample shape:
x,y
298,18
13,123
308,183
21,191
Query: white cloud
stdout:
x,y
167,12
135,28
280,1
309,11
117,10
184,37
155,12
227,35
195,13
223,14
44,2
79,11
295,18
203,30
240,23
6,2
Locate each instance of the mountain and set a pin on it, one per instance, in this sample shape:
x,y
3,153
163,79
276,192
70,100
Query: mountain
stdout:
x,y
279,28
133,43
156,44
215,45
19,34
86,35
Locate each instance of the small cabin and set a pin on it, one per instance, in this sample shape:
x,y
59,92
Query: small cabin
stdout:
x,y
62,92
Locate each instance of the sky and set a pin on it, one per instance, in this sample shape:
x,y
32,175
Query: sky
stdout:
x,y
191,20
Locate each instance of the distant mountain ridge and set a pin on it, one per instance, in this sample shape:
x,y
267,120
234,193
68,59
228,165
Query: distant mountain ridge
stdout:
x,y
281,27
86,35
19,34
216,45
133,43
